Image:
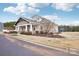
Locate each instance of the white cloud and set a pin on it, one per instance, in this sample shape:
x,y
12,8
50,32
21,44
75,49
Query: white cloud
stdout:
x,y
9,9
52,17
78,6
32,10
76,22
73,23
38,5
64,6
20,9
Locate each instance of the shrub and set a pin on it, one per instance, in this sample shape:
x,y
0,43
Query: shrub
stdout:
x,y
37,32
45,32
26,33
41,32
14,32
51,33
6,32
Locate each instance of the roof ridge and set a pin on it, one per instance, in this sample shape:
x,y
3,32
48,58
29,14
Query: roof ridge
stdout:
x,y
41,17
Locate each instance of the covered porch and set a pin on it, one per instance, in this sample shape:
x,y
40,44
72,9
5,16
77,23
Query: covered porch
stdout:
x,y
24,28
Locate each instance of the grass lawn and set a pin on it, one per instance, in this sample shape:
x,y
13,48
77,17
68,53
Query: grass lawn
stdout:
x,y
57,42
70,33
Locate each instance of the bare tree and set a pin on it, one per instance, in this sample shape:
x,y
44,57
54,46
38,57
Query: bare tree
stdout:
x,y
49,26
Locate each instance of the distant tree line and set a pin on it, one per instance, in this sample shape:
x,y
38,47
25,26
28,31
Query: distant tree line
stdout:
x,y
65,28
62,28
9,25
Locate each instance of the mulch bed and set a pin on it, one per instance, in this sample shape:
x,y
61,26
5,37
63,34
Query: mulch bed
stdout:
x,y
52,36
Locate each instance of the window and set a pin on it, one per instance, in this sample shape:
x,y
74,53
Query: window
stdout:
x,y
34,28
41,28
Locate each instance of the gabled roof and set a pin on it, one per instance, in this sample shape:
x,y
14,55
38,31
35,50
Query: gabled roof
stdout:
x,y
37,17
44,20
41,18
23,19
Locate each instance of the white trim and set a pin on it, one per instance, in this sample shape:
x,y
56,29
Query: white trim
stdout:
x,y
24,24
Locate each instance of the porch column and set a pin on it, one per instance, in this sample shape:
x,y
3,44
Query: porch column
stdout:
x,y
17,28
31,27
26,28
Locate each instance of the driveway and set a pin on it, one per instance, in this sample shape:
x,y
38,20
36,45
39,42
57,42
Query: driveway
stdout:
x,y
13,47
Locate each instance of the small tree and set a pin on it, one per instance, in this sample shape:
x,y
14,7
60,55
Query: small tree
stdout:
x,y
49,26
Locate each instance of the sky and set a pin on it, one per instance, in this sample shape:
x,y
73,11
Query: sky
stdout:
x,y
60,13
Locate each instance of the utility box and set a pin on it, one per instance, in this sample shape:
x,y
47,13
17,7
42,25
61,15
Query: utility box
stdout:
x,y
1,27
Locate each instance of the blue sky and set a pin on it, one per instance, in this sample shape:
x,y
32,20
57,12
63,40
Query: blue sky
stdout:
x,y
60,13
